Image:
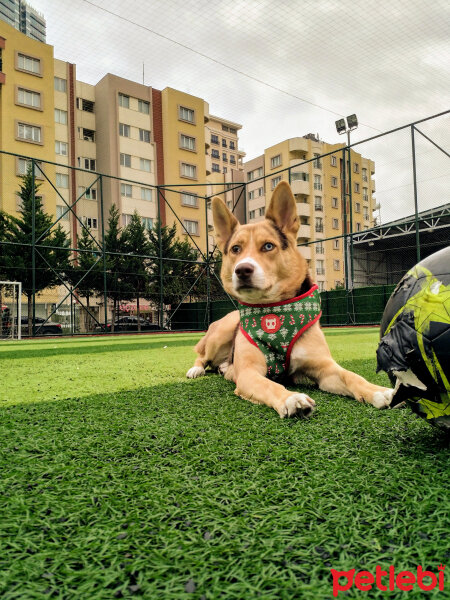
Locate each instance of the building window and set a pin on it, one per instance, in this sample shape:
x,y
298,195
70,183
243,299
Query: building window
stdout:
x,y
224,169
29,98
29,64
24,164
320,268
62,212
319,224
215,153
336,264
188,199
275,161
214,139
260,191
145,165
254,174
335,223
334,202
186,114
299,176
124,101
334,182
318,203
356,167
333,161
188,170
61,116
232,159
357,207
252,214
86,163
62,180
232,146
317,182
90,222
366,213
88,193
88,135
144,135
365,194
317,163
86,105
126,219
125,160
358,226
124,130
126,190
146,194
144,107
191,226
187,142
29,133
61,148
364,174
224,157
224,143
321,285
147,222
357,187
319,248
251,195
275,181
262,211
335,244
60,84
215,168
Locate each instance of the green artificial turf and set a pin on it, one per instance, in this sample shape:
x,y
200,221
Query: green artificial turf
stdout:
x,y
122,479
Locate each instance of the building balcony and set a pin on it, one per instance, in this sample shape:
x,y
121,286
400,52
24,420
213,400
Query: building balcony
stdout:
x,y
298,144
317,164
319,228
299,186
320,271
318,207
303,209
304,231
305,251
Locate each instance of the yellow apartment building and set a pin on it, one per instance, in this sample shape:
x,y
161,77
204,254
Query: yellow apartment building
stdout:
x,y
317,187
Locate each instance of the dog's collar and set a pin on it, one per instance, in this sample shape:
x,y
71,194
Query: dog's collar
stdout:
x,y
309,293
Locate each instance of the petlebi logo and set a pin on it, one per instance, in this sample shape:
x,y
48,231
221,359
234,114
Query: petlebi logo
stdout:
x,y
388,580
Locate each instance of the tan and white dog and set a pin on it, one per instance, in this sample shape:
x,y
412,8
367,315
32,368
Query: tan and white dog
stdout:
x,y
262,265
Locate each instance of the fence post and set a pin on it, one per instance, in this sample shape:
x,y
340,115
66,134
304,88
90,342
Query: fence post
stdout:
x,y
102,217
33,242
416,208
161,277
208,276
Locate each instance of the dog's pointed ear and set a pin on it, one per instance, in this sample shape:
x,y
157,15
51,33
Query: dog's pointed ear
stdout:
x,y
224,222
283,209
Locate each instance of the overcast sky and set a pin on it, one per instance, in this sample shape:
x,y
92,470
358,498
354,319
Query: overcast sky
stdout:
x,y
286,68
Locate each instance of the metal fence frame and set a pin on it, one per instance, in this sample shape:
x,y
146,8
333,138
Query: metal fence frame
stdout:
x,y
205,260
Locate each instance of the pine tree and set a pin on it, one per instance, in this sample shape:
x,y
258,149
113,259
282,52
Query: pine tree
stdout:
x,y
117,286
88,269
178,266
137,247
52,246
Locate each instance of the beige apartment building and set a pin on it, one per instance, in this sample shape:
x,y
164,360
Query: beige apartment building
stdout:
x,y
317,187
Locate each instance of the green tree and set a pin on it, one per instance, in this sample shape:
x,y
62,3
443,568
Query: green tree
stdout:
x,y
178,265
117,285
136,263
86,267
4,223
52,246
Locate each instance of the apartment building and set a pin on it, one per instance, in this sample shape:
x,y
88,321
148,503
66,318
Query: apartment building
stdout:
x,y
24,18
318,189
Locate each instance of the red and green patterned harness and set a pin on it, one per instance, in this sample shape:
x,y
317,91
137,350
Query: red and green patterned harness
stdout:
x,y
274,328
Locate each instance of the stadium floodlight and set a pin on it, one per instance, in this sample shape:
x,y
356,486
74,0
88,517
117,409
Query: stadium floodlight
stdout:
x,y
352,122
340,126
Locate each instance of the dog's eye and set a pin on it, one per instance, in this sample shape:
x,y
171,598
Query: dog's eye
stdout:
x,y
235,249
268,246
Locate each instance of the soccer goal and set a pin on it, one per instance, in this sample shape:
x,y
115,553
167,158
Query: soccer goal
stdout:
x,y
11,310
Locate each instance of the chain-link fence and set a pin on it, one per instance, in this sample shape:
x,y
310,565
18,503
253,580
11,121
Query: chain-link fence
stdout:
x,y
87,265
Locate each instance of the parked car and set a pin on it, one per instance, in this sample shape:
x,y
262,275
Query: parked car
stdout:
x,y
40,327
129,323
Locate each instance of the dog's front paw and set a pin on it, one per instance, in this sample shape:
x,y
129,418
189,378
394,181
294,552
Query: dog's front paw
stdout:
x,y
382,398
195,372
297,404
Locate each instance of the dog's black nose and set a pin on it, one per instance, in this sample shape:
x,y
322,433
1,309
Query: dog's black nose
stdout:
x,y
244,270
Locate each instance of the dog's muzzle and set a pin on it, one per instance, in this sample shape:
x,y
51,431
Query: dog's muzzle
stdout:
x,y
244,273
